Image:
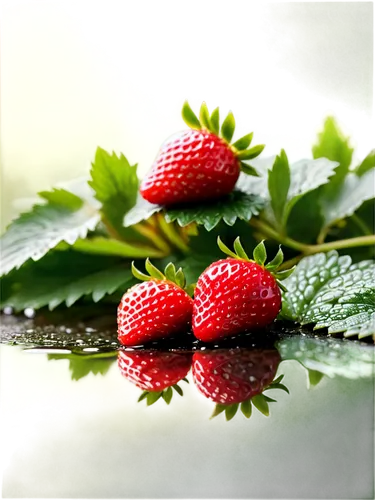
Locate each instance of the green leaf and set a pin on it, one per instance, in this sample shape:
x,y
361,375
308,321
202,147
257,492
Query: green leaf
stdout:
x,y
244,142
35,233
204,117
261,404
329,356
367,164
152,397
314,377
143,396
178,389
170,272
246,408
260,253
215,121
331,292
278,186
115,183
153,271
228,126
218,409
276,262
62,197
248,169
142,210
332,144
230,411
189,116
353,192
180,278
64,277
249,154
239,249
236,205
81,365
108,246
167,395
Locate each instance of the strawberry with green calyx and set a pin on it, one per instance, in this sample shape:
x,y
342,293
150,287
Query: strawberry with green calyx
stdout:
x,y
157,373
237,378
199,164
159,307
237,294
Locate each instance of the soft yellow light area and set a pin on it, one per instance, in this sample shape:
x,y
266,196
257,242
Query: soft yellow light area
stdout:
x,y
61,97
28,379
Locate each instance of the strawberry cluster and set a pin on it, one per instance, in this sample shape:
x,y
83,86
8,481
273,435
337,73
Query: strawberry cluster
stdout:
x,y
232,295
231,378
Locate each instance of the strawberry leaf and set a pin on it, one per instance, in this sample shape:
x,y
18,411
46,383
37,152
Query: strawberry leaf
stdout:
x,y
367,164
189,116
278,186
215,121
228,126
81,365
63,277
65,217
108,246
244,142
353,192
167,395
204,117
230,411
350,360
246,408
261,404
329,291
115,184
332,144
237,205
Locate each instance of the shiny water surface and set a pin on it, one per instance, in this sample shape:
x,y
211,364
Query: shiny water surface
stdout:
x,y
82,417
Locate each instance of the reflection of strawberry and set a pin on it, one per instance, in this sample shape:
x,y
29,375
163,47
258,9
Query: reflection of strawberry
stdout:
x,y
198,164
237,294
155,309
155,372
232,376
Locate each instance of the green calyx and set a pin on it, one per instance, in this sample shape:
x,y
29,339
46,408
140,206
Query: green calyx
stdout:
x,y
244,409
170,274
211,122
259,257
152,396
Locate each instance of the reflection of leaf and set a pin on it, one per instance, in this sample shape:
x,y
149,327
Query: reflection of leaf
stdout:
x,y
81,365
237,205
331,357
64,277
330,291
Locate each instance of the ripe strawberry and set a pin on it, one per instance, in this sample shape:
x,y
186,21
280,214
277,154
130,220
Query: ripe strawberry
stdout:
x,y
198,164
155,372
237,294
233,376
155,309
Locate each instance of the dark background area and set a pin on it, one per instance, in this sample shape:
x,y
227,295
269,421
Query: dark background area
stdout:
x,y
218,53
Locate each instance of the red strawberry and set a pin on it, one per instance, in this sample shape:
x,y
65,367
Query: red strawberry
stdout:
x,y
197,164
232,376
155,309
154,372
237,294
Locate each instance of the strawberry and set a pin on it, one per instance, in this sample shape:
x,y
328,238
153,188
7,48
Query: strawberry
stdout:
x,y
232,376
157,308
237,294
199,164
155,372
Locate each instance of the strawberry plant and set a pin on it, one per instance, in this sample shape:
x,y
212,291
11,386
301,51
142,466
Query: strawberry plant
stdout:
x,y
76,244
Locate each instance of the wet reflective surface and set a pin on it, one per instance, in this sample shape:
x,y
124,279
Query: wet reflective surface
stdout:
x,y
83,418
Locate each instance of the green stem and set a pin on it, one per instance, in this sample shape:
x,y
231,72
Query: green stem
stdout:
x,y
170,232
359,241
272,233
